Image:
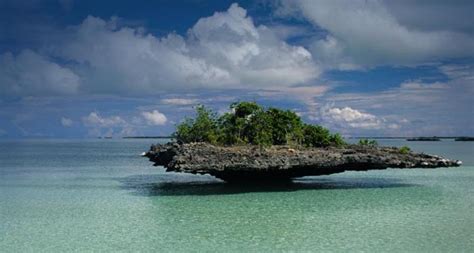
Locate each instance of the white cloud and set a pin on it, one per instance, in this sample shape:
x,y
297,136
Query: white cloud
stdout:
x,y
155,117
286,32
306,94
66,122
421,85
367,33
29,73
179,101
225,50
348,114
351,117
107,126
437,15
458,72
417,108
331,53
94,119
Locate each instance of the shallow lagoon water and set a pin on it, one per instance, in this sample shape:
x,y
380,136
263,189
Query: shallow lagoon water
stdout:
x,y
100,195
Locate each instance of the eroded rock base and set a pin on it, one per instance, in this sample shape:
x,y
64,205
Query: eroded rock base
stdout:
x,y
281,163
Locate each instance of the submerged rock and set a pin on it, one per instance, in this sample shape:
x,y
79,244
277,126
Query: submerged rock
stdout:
x,y
244,163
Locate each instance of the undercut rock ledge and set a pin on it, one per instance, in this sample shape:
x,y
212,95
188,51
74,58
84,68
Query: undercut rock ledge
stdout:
x,y
252,163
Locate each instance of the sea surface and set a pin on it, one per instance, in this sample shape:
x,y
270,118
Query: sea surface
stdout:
x,y
100,195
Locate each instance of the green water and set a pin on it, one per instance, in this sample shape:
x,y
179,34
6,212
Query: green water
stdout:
x,y
99,195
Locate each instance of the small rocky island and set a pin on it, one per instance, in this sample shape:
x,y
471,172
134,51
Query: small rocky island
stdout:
x,y
253,144
239,163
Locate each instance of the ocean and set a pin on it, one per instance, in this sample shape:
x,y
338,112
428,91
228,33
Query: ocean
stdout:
x,y
100,195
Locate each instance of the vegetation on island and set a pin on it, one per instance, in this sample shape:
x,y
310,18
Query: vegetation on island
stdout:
x,y
250,123
373,143
404,150
367,142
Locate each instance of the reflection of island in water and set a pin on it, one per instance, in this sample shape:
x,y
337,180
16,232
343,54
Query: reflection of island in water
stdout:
x,y
171,184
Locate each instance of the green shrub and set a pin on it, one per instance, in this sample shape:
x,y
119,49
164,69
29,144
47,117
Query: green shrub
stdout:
x,y
367,142
258,130
247,123
337,140
203,128
404,150
286,126
316,136
244,109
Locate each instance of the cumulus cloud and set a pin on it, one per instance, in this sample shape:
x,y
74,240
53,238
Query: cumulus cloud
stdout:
x,y
115,125
225,50
368,33
66,122
95,119
107,126
29,73
154,117
348,116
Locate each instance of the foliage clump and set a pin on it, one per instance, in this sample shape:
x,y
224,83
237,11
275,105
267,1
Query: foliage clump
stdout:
x,y
250,123
404,150
367,142
203,128
318,136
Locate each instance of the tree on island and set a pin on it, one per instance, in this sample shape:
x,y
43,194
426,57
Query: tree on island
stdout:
x,y
250,123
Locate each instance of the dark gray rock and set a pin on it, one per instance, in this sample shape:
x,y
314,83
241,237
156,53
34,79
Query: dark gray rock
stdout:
x,y
244,163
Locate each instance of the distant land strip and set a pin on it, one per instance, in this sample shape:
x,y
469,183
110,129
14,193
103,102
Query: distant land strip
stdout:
x,y
400,137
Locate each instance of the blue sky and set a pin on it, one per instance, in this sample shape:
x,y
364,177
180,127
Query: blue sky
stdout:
x,y
82,69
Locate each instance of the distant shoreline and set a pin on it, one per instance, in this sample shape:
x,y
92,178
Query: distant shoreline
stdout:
x,y
400,137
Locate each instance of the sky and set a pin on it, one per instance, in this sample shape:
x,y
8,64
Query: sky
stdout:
x,y
87,69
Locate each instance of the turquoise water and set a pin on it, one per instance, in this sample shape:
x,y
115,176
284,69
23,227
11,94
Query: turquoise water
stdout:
x,y
100,195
